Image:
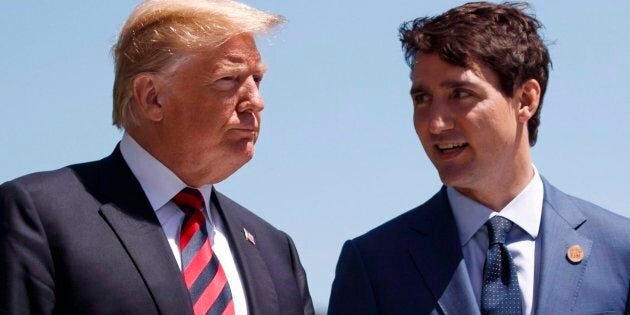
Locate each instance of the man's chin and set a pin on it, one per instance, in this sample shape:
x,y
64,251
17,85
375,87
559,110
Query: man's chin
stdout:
x,y
452,178
243,154
247,149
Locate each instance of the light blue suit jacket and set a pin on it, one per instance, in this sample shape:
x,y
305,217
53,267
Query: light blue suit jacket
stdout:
x,y
414,264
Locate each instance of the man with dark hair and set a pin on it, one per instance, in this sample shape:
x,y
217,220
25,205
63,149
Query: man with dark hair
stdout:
x,y
497,238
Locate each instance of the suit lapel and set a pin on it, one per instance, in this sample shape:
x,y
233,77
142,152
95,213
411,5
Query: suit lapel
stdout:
x,y
259,288
436,251
131,217
559,278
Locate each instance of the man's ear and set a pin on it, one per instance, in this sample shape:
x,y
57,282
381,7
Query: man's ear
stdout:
x,y
145,97
529,97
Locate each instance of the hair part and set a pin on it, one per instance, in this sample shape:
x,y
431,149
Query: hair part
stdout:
x,y
160,34
502,36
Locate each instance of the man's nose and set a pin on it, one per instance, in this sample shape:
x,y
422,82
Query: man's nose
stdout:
x,y
440,117
251,100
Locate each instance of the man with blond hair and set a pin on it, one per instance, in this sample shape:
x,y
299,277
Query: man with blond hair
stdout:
x,y
143,231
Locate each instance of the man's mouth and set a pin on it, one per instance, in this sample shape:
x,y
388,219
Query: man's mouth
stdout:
x,y
447,148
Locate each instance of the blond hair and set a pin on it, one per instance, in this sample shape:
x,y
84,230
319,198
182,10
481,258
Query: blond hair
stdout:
x,y
159,32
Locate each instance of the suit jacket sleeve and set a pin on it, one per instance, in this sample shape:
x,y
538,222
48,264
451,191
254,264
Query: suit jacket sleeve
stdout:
x,y
300,275
351,291
26,264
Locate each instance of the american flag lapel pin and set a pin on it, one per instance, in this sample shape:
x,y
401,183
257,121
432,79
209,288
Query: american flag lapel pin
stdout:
x,y
249,236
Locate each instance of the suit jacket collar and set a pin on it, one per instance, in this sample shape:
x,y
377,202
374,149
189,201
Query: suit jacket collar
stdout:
x,y
262,297
131,217
559,278
436,252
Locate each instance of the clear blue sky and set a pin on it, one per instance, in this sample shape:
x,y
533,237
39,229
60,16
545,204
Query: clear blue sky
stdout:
x,y
338,154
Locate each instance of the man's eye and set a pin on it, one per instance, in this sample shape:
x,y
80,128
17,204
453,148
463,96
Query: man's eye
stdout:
x,y
421,98
461,94
226,83
229,78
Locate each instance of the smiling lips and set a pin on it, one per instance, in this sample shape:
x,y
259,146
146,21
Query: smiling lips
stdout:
x,y
450,150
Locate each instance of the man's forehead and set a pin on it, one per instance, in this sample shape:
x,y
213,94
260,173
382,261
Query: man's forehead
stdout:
x,y
237,49
218,59
431,68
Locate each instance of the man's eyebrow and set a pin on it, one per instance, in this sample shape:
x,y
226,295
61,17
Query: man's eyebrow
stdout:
x,y
454,83
445,84
261,67
417,88
230,67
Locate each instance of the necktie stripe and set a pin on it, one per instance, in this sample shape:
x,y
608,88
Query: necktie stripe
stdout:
x,y
214,290
229,309
193,222
201,269
221,303
204,280
197,265
196,244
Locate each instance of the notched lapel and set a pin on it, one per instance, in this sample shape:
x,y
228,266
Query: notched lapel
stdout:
x,y
437,254
559,278
129,214
147,246
259,288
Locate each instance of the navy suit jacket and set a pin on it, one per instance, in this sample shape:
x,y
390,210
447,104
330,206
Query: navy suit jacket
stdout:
x,y
85,240
414,263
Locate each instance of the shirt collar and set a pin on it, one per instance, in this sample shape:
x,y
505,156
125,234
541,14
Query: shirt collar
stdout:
x,y
524,210
159,183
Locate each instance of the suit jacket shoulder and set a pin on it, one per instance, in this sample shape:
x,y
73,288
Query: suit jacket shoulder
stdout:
x,y
246,216
273,276
600,280
598,221
84,239
419,219
411,264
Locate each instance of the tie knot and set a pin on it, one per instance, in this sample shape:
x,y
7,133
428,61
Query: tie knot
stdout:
x,y
498,228
189,199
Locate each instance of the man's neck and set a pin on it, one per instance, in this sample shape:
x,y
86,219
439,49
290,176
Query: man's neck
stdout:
x,y
498,194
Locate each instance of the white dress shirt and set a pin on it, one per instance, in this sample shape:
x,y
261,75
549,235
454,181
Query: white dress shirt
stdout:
x,y
160,185
523,243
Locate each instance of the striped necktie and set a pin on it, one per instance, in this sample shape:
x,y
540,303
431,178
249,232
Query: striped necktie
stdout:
x,y
203,274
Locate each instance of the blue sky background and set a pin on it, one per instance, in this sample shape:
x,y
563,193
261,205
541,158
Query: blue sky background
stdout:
x,y
338,154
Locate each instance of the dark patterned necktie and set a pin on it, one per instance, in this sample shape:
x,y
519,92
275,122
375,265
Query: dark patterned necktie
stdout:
x,y
203,274
500,293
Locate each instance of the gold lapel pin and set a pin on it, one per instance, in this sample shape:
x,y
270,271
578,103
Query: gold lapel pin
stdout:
x,y
575,254
249,236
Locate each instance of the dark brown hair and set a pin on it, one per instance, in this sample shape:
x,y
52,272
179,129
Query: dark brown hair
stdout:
x,y
502,36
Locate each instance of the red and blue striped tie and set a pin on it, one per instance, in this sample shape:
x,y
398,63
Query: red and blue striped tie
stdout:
x,y
203,274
